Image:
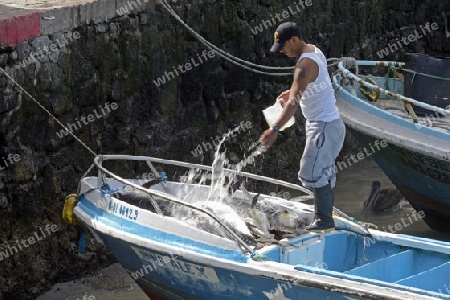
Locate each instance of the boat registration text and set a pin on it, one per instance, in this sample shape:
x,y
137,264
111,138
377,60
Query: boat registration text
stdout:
x,y
123,210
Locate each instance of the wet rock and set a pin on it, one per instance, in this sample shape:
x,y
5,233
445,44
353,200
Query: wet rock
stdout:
x,y
23,51
102,28
13,55
9,102
61,103
3,59
3,201
143,18
41,43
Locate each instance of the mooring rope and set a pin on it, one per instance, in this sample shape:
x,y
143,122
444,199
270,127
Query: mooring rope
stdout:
x,y
240,62
229,57
49,113
235,60
420,73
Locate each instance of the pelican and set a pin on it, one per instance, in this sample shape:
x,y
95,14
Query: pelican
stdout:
x,y
383,200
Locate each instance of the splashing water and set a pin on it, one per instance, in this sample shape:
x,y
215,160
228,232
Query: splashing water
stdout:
x,y
220,180
218,191
218,177
196,193
260,149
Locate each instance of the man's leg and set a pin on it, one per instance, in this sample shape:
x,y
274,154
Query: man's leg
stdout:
x,y
323,143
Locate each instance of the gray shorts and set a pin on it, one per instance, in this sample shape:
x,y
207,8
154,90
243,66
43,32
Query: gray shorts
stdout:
x,y
324,141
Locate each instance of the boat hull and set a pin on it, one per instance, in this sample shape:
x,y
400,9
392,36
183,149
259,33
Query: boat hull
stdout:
x,y
169,276
172,260
422,180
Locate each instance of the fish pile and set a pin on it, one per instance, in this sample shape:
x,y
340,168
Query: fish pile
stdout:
x,y
267,220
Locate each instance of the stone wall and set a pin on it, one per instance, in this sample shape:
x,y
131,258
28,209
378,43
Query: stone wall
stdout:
x,y
100,78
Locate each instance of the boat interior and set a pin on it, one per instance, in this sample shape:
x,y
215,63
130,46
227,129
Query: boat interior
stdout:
x,y
349,256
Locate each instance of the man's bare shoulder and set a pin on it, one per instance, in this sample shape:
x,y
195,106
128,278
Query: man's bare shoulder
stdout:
x,y
306,67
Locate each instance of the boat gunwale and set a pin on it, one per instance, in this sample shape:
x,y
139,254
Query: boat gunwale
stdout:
x,y
273,270
412,101
98,162
355,121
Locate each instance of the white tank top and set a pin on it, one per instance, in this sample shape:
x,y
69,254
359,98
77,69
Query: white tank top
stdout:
x,y
318,102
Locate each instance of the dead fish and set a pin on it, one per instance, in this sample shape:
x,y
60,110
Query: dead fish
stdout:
x,y
267,216
226,214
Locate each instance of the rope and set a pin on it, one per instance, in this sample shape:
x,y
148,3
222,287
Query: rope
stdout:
x,y
348,62
347,73
236,61
53,117
364,251
423,74
84,175
224,54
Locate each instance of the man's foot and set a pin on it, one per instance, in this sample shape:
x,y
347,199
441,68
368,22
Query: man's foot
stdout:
x,y
326,230
319,227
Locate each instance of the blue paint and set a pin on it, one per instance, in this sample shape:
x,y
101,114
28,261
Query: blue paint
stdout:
x,y
352,253
421,178
436,279
231,285
393,165
421,239
398,266
386,265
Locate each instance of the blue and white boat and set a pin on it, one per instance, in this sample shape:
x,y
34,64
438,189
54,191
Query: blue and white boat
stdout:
x,y
415,151
171,259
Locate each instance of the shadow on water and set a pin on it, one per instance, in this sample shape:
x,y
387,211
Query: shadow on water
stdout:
x,y
353,187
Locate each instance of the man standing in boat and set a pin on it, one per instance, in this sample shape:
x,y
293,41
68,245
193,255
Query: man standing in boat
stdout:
x,y
311,89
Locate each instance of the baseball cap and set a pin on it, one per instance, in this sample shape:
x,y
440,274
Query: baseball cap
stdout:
x,y
283,33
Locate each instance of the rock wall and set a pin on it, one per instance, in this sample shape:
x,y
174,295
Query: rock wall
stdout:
x,y
102,80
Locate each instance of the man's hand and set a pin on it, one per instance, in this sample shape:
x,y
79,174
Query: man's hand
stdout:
x,y
268,138
284,97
